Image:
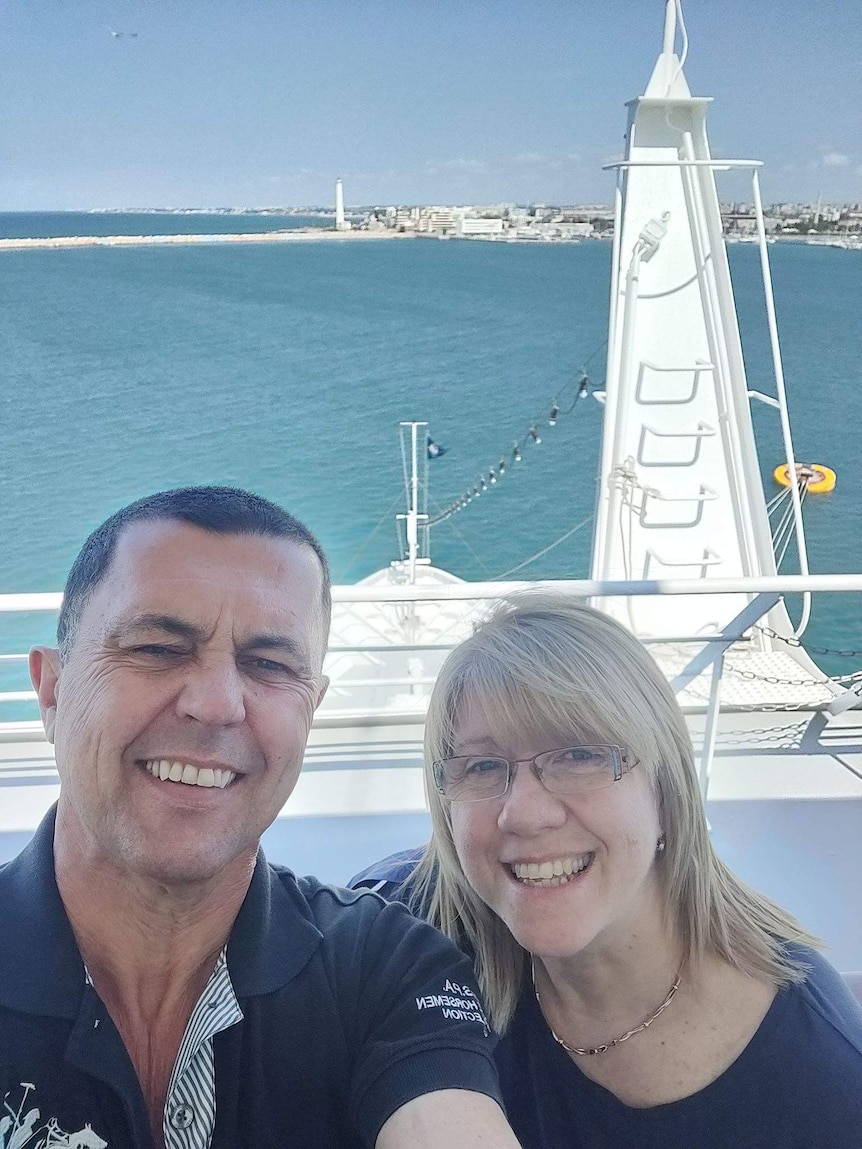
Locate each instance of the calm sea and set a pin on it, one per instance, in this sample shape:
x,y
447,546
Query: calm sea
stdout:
x,y
287,368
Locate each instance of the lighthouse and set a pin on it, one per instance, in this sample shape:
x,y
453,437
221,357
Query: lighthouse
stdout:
x,y
340,223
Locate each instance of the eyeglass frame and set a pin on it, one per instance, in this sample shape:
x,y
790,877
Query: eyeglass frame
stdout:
x,y
624,763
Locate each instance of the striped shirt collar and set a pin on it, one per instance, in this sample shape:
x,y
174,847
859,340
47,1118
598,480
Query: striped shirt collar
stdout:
x,y
190,1108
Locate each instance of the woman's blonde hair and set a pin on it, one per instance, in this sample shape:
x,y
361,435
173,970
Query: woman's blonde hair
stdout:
x,y
546,666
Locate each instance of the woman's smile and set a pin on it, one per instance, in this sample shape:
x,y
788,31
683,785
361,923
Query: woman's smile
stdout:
x,y
560,871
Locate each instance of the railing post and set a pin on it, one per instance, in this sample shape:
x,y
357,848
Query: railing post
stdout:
x,y
710,730
730,634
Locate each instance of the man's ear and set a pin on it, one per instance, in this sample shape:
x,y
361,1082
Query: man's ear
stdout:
x,y
45,676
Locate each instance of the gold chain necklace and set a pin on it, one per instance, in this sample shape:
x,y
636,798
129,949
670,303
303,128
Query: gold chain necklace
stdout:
x,y
576,1050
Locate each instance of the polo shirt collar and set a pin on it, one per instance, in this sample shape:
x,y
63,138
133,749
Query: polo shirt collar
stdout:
x,y
274,935
41,969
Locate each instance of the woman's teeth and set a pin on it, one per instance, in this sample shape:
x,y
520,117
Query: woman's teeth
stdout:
x,y
189,775
558,872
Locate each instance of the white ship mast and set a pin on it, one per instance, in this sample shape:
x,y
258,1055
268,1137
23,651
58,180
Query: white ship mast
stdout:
x,y
416,488
680,494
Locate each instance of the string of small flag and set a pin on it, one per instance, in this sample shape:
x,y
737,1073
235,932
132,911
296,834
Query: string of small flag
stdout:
x,y
577,388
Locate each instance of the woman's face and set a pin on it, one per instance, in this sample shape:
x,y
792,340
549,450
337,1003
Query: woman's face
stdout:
x,y
607,839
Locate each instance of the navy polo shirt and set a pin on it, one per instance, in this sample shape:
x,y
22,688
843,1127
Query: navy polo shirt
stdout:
x,y
351,1008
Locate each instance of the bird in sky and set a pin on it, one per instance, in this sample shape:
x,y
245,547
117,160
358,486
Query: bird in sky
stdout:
x,y
116,35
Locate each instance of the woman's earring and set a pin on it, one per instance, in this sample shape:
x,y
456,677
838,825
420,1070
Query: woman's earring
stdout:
x,y
661,844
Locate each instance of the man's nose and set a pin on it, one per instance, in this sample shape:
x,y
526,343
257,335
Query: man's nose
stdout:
x,y
528,807
213,693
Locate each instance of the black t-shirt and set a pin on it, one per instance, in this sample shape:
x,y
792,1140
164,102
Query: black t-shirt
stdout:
x,y
351,1008
796,1085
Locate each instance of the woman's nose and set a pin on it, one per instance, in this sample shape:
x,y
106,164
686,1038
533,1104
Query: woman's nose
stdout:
x,y
527,806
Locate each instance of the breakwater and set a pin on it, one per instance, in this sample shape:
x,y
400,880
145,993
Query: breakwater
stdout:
x,y
292,235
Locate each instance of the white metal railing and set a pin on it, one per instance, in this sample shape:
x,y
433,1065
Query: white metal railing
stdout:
x,y
580,588
599,588
764,593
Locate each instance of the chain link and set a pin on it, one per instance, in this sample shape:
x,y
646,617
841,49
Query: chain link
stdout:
x,y
752,676
766,735
776,707
791,641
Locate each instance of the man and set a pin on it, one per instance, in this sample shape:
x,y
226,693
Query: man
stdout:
x,y
160,984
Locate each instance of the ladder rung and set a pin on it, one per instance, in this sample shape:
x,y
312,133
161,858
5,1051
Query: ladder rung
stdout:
x,y
672,439
695,370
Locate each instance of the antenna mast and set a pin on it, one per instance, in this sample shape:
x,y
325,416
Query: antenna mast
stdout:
x,y
416,486
669,27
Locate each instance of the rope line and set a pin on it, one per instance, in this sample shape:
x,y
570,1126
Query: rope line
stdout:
x,y
364,544
773,503
783,533
578,526
479,560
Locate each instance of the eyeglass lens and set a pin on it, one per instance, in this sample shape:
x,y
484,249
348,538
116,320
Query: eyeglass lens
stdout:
x,y
571,770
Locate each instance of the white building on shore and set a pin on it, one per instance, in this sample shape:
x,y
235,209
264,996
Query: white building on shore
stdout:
x,y
488,226
341,223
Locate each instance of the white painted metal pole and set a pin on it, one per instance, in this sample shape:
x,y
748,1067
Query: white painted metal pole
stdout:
x,y
623,392
595,588
669,27
413,516
585,588
598,560
782,398
710,733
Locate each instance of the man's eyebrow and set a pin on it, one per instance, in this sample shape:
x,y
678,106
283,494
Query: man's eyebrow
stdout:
x,y
270,641
282,644
167,623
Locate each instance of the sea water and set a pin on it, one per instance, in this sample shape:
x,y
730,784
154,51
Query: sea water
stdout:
x,y
286,368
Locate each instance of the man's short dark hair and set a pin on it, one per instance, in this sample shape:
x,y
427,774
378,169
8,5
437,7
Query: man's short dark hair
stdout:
x,y
220,510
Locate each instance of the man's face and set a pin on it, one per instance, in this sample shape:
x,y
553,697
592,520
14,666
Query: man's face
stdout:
x,y
197,660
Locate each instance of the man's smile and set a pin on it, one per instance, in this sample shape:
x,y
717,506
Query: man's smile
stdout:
x,y
168,770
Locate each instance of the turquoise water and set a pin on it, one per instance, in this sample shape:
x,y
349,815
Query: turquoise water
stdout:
x,y
286,368
43,224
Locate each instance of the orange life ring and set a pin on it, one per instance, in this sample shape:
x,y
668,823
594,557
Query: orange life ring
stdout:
x,y
819,480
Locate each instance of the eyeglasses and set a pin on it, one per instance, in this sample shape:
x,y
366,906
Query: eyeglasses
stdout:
x,y
572,770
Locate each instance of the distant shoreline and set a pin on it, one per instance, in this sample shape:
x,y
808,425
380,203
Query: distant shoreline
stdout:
x,y
316,234
290,235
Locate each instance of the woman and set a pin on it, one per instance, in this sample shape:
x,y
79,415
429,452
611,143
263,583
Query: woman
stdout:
x,y
647,996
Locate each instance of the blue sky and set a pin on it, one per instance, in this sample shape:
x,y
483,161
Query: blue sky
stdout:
x,y
254,102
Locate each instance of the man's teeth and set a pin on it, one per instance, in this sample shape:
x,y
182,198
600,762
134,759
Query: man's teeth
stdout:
x,y
554,873
189,775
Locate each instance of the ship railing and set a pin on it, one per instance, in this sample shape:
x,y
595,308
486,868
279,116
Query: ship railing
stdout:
x,y
708,657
